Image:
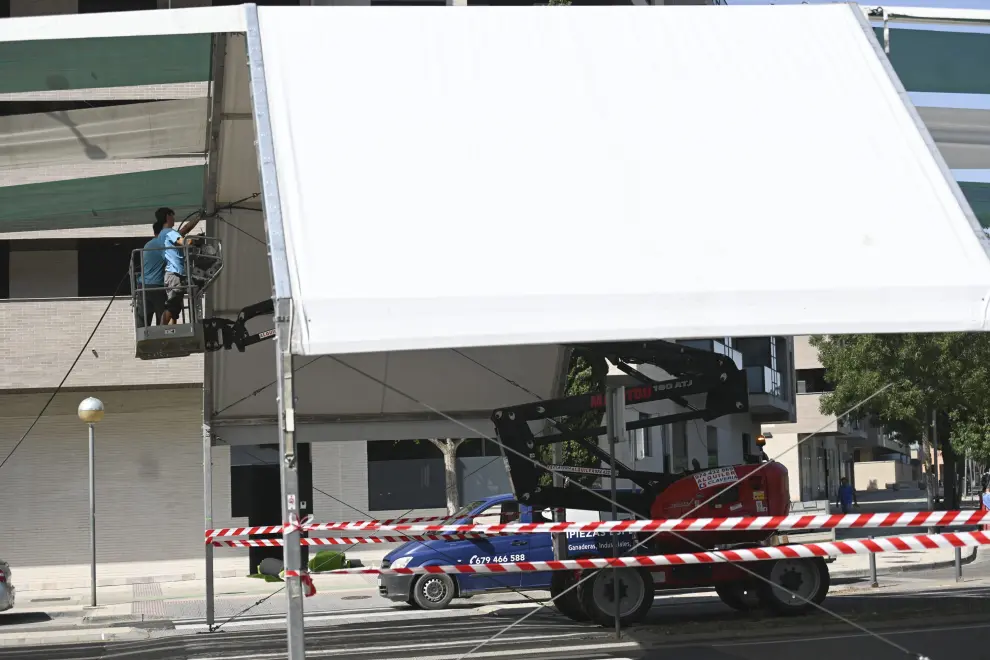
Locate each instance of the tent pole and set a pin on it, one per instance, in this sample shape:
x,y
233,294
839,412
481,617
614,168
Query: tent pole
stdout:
x,y
290,480
278,261
209,207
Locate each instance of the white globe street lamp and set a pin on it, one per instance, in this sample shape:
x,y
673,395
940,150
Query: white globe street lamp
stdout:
x,y
91,412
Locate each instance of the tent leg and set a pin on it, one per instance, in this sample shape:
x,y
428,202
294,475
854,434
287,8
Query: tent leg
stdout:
x,y
208,515
290,481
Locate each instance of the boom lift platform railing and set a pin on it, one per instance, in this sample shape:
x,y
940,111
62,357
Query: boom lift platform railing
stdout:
x,y
190,333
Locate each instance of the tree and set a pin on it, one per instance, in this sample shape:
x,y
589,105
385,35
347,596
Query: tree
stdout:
x,y
585,374
941,377
448,447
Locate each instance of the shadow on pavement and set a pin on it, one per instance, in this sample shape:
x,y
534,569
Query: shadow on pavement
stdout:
x,y
23,618
870,609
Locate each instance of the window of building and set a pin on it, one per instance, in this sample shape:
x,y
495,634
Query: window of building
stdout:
x,y
103,265
812,381
478,447
712,443
405,474
4,269
42,268
4,8
99,6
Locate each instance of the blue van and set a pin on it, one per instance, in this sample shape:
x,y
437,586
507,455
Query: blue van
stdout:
x,y
435,591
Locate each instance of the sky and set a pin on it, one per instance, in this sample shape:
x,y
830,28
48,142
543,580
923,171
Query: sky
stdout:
x,y
977,101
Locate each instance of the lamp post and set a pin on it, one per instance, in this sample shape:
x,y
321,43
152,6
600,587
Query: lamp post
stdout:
x,y
91,411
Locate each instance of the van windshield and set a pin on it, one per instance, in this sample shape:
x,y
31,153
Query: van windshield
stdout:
x,y
466,510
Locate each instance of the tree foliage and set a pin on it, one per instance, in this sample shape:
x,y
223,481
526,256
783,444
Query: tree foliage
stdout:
x,y
585,375
930,376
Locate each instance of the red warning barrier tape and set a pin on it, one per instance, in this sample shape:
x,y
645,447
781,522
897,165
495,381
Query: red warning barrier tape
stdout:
x,y
850,521
377,524
804,550
267,543
243,531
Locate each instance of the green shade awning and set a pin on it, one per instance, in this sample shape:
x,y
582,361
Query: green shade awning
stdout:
x,y
121,199
978,196
940,61
35,66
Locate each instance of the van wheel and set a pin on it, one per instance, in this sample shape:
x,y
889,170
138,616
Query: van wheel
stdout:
x,y
570,603
636,592
740,595
792,583
434,591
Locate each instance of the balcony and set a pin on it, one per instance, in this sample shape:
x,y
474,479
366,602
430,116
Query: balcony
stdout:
x,y
768,402
42,336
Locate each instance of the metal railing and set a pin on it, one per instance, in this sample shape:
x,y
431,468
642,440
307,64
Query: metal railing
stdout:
x,y
203,262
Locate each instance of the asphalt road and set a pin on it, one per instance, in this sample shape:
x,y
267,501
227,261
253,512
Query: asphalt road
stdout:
x,y
917,615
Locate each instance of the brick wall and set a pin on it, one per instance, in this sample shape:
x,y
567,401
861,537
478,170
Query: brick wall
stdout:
x,y
149,479
41,338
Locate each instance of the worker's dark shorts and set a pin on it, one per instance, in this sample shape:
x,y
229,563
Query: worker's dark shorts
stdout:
x,y
175,285
150,305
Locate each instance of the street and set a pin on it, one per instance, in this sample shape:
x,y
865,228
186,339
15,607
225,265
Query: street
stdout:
x,y
923,613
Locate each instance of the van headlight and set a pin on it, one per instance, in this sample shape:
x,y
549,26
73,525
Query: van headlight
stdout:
x,y
401,562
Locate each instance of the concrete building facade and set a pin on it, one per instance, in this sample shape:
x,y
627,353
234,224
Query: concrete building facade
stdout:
x,y
818,450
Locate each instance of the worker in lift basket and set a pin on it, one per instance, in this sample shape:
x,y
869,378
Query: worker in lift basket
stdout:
x,y
151,294
175,262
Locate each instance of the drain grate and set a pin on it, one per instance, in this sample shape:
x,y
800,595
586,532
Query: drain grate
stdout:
x,y
354,597
53,599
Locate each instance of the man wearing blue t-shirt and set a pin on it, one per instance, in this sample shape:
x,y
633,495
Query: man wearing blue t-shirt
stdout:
x,y
175,262
847,496
151,280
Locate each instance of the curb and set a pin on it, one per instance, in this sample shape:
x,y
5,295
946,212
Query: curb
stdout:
x,y
911,568
45,638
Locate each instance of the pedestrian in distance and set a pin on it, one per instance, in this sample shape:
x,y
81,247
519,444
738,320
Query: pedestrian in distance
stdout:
x,y
847,496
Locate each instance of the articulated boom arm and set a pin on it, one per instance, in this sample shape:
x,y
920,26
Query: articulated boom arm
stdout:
x,y
226,334
695,372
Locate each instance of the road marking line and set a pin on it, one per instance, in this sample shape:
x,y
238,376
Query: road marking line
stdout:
x,y
486,654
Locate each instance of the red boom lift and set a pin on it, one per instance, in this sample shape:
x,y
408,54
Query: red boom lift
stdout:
x,y
761,489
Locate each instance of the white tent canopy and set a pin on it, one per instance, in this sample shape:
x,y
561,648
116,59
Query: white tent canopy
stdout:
x,y
442,205
588,174
451,196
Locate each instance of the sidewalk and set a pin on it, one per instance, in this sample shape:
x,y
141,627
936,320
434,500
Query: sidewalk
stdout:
x,y
143,609
76,576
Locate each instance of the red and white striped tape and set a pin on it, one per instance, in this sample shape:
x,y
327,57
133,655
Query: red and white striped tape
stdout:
x,y
804,550
333,540
243,531
357,524
309,589
850,521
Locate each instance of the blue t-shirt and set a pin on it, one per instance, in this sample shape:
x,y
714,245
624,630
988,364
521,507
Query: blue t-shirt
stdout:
x,y
986,500
846,494
175,259
154,262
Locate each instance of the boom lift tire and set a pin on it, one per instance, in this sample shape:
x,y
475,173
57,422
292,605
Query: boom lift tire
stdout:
x,y
808,578
434,591
570,603
636,592
741,595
